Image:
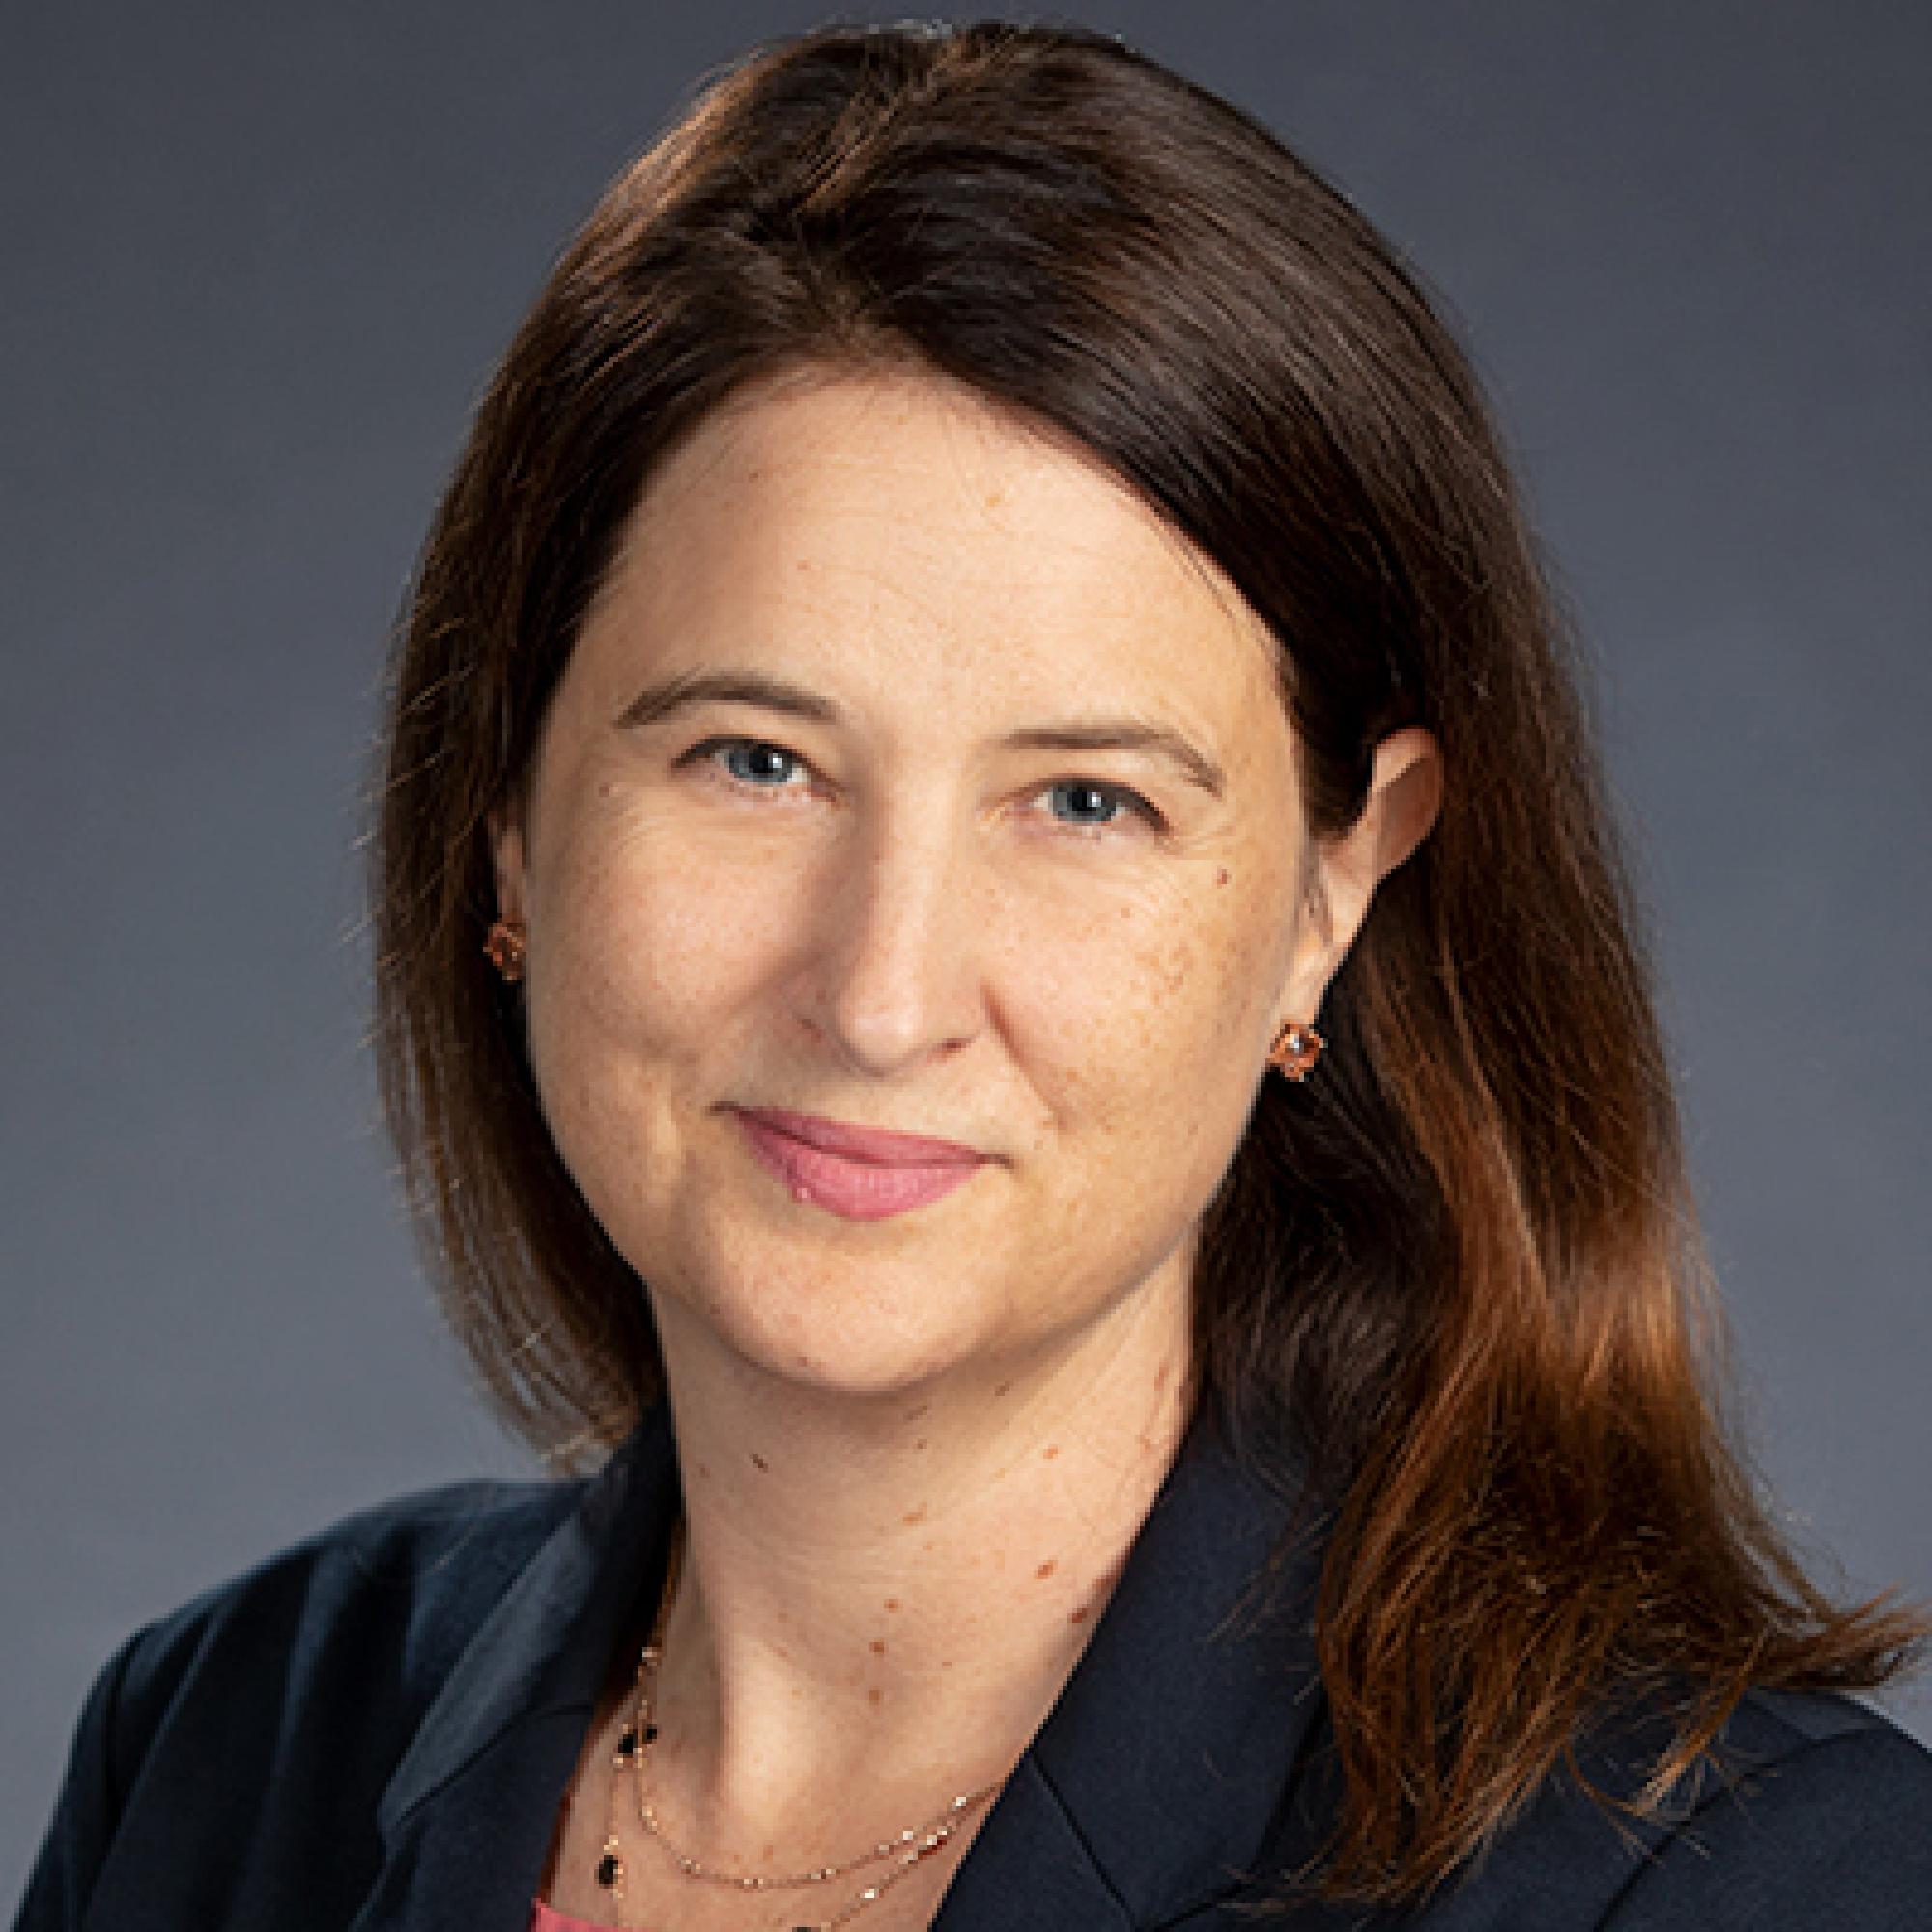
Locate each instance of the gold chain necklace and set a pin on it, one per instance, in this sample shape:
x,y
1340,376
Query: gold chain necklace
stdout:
x,y
906,1850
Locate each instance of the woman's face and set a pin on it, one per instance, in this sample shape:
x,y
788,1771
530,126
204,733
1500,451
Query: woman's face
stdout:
x,y
977,819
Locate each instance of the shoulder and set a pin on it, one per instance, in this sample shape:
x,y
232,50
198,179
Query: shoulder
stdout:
x,y
329,1651
388,1596
1818,1812
283,1709
1813,1810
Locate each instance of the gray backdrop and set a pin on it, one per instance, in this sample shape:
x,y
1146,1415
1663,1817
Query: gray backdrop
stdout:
x,y
257,262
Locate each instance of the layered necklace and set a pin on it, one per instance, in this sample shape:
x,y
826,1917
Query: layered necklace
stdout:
x,y
894,1858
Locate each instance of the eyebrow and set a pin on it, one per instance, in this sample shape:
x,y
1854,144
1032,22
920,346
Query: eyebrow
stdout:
x,y
691,688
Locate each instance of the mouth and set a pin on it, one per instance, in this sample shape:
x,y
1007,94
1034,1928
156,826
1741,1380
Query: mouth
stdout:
x,y
860,1174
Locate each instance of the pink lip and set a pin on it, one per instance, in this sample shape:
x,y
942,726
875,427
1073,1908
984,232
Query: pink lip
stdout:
x,y
868,1144
859,1173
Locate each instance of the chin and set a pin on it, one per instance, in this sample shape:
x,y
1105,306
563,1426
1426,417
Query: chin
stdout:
x,y
876,1362
836,1327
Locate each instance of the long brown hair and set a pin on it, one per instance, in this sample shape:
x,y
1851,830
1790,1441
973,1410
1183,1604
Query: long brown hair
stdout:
x,y
1454,1281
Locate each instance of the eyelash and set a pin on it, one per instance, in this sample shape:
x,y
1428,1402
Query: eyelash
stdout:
x,y
1124,795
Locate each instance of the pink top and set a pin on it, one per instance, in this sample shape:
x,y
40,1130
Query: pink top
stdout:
x,y
547,1918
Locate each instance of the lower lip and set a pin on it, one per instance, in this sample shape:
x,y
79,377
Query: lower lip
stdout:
x,y
859,1191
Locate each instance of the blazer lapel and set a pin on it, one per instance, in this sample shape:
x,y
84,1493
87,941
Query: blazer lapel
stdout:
x,y
467,1818
1154,1784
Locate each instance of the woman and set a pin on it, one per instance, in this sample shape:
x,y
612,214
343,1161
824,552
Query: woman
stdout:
x,y
1005,982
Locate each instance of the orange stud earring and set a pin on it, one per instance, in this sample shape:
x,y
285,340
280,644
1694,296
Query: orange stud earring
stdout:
x,y
1296,1049
505,948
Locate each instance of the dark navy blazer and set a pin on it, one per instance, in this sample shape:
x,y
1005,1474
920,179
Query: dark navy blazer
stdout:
x,y
374,1730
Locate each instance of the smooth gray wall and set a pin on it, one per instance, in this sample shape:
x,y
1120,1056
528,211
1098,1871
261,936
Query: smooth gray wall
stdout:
x,y
257,262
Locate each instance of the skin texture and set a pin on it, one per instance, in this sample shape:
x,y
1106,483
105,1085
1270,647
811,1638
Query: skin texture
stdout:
x,y
914,1450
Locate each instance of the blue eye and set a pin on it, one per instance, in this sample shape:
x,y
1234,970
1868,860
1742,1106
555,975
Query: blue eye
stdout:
x,y
1097,806
750,762
754,762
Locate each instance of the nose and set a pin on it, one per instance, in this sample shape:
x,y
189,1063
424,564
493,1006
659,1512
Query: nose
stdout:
x,y
894,974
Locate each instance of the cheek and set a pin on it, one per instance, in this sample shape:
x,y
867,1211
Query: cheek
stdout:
x,y
1201,1071
636,950
1173,994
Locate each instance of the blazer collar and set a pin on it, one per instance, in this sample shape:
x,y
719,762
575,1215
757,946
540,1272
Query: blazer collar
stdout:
x,y
1158,1777
1150,1788
467,1818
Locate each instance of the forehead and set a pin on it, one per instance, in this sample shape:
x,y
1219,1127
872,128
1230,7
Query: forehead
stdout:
x,y
903,526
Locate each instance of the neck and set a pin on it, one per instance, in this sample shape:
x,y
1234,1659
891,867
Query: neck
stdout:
x,y
882,1595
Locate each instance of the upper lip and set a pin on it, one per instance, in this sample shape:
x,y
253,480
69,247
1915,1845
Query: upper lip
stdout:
x,y
868,1144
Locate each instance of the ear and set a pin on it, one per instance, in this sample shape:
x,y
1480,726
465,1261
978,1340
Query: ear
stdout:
x,y
506,851
1404,798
